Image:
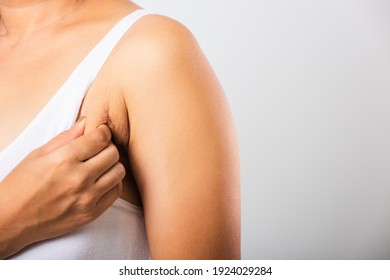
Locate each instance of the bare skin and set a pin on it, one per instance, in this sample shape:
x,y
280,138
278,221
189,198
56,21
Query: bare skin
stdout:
x,y
166,110
38,202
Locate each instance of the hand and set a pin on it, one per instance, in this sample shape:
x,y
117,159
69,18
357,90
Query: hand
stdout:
x,y
58,187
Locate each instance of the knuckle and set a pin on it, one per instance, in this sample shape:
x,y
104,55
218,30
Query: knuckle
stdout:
x,y
87,218
69,158
64,157
58,160
121,170
101,137
83,204
86,212
114,152
77,182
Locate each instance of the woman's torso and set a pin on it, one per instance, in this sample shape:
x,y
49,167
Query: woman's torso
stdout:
x,y
33,70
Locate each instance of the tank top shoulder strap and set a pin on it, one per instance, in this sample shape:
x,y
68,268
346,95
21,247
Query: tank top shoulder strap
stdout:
x,y
85,73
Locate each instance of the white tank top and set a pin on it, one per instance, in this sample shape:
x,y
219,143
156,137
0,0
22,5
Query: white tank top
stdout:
x,y
120,232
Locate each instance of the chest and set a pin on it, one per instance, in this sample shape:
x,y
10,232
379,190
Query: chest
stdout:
x,y
27,90
31,77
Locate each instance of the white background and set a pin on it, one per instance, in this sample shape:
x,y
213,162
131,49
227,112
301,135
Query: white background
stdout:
x,y
309,86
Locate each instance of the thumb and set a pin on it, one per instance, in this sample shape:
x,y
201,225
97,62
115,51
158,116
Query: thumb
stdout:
x,y
63,138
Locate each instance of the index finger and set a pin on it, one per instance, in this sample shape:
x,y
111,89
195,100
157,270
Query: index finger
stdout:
x,y
90,144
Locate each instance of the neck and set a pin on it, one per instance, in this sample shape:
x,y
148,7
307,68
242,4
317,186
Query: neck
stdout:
x,y
19,18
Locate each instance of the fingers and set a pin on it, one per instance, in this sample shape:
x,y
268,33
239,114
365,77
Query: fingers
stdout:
x,y
109,198
103,161
89,145
111,178
65,137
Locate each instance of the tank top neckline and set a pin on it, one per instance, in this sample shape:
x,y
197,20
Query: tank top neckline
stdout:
x,y
72,75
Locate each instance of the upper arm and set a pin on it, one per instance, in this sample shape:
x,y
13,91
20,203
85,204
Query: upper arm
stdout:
x,y
182,148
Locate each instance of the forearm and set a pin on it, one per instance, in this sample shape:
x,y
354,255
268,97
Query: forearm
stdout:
x,y
10,241
12,235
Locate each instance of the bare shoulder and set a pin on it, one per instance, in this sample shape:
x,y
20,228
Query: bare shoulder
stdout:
x,y
158,32
156,43
159,26
160,59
